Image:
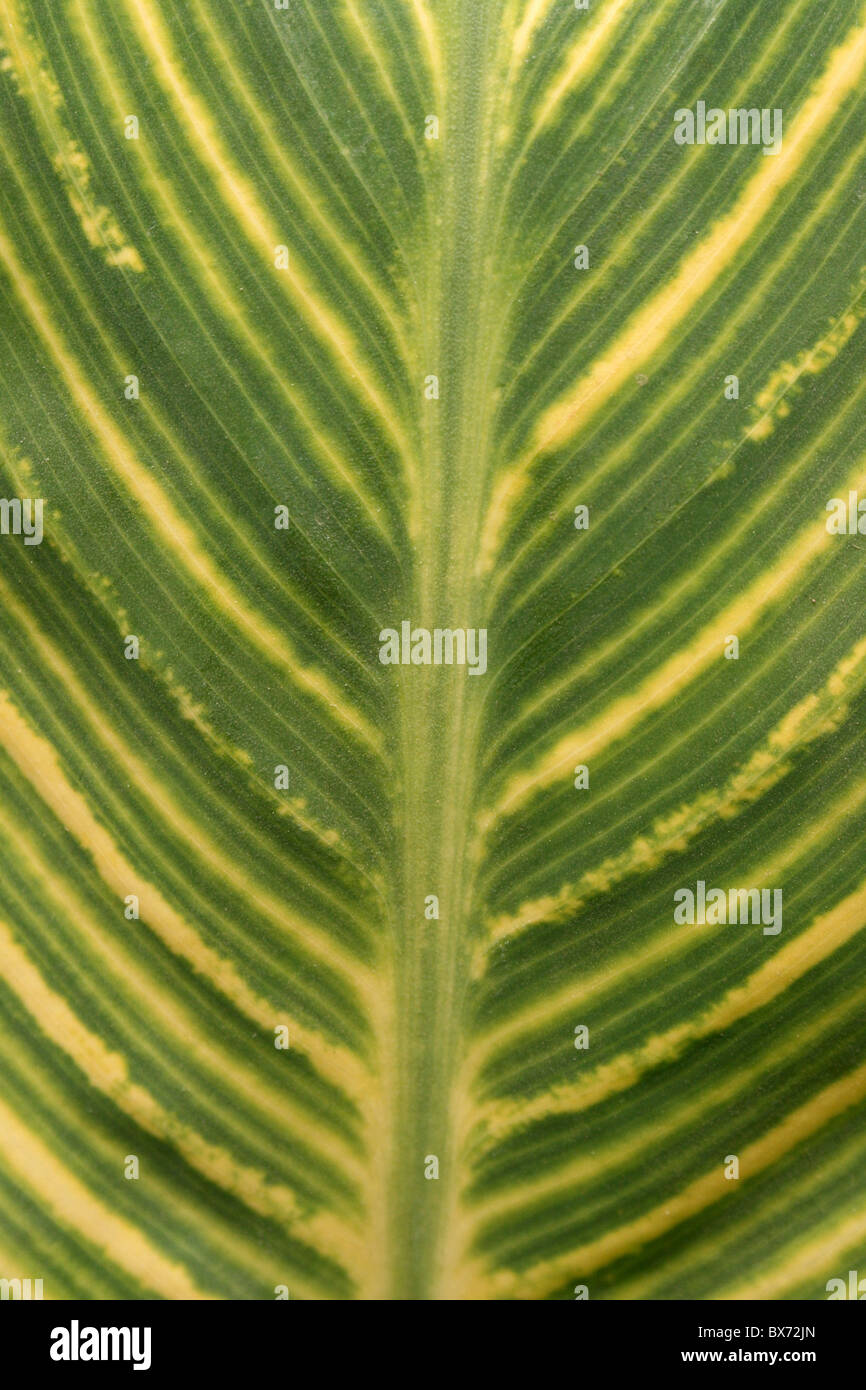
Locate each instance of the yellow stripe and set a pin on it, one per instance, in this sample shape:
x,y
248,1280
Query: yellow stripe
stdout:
x,y
813,717
183,1029
167,522
578,1264
701,268
144,776
201,263
653,323
582,59
833,1245
677,672
773,402
240,194
37,85
310,196
664,947
425,23
40,765
827,934
608,1158
797,1193
380,65
61,1193
534,15
679,395
226,1243
108,1072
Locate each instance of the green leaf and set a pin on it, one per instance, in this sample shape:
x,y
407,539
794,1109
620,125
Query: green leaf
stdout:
x,y
329,329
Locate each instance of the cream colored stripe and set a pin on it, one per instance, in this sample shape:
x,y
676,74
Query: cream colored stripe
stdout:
x,y
424,20
39,764
182,1032
108,1072
167,522
534,15
259,114
202,264
827,934
813,717
239,193
805,1190
287,920
677,672
583,57
837,1243
378,59
609,1157
705,1191
701,268
60,1192
35,81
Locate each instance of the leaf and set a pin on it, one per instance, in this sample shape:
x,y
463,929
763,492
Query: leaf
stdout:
x,y
330,328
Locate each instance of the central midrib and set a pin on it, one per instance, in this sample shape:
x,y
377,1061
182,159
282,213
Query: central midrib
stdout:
x,y
440,706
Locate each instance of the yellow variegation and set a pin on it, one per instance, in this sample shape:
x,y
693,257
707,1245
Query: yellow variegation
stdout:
x,y
301,346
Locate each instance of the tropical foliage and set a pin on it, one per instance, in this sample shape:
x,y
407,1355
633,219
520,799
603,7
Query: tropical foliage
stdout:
x,y
238,242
